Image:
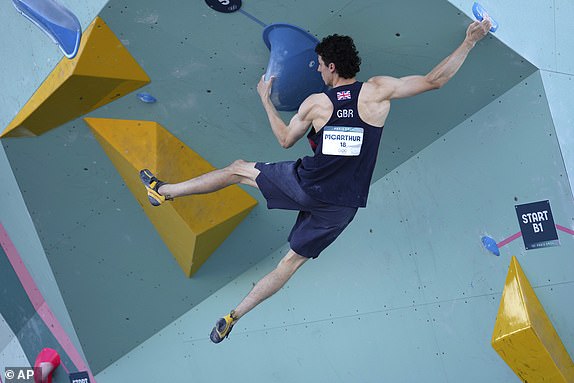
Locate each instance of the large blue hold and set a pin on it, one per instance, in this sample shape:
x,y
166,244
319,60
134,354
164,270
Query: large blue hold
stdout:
x,y
293,63
56,21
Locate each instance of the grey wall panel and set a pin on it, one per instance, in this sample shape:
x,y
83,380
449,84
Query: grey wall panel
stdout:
x,y
564,36
559,90
11,352
15,306
529,30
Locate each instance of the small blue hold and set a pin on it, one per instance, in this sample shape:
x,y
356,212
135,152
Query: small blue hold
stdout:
x,y
479,11
490,245
146,97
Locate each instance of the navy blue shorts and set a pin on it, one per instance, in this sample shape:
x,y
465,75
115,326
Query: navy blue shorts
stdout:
x,y
318,223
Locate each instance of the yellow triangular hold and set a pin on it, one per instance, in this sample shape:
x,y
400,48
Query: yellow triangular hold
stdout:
x,y
513,312
102,71
136,141
191,227
524,336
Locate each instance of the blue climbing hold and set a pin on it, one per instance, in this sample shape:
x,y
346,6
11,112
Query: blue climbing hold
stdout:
x,y
479,12
490,245
59,23
293,63
146,97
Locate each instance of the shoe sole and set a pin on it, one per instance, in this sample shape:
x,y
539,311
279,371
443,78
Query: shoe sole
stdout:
x,y
155,199
217,335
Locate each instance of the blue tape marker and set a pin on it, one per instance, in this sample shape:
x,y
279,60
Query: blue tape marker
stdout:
x,y
479,12
490,245
146,97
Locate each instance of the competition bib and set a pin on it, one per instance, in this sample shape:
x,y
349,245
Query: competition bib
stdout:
x,y
342,141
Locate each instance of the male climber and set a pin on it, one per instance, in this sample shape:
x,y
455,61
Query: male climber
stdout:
x,y
344,127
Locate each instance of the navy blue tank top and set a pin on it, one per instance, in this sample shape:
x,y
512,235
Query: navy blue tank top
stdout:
x,y
345,150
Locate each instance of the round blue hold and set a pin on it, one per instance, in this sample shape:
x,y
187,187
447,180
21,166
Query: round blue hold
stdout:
x,y
490,245
146,97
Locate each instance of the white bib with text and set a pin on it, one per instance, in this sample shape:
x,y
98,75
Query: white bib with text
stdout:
x,y
342,141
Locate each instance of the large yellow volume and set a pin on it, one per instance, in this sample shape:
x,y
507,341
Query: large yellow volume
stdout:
x,y
524,336
191,227
102,71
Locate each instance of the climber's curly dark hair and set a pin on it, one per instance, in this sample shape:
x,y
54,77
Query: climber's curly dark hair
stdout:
x,y
341,51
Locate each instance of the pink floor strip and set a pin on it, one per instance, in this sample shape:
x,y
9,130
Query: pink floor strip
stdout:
x,y
40,304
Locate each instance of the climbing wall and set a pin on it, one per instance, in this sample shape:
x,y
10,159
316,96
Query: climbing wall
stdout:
x,y
407,293
408,284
